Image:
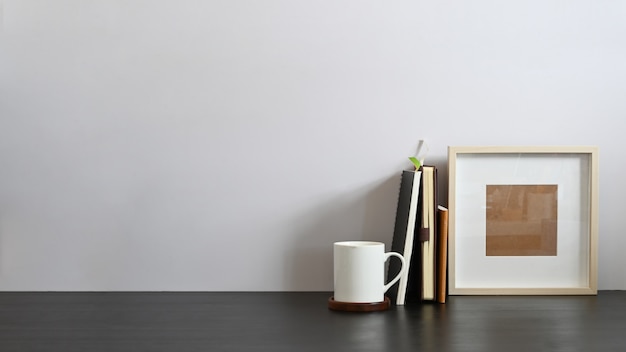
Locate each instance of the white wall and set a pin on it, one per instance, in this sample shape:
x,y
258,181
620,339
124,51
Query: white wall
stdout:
x,y
224,145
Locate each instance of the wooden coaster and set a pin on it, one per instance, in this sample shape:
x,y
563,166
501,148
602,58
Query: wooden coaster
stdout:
x,y
359,307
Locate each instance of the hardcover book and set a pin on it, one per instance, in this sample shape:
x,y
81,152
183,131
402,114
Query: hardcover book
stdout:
x,y
404,233
422,276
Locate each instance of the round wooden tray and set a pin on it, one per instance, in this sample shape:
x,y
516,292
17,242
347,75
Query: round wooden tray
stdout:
x,y
359,307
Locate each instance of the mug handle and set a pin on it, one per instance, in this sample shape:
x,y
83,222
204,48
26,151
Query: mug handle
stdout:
x,y
395,279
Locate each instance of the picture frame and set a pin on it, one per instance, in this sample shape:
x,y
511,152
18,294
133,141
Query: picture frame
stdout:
x,y
523,220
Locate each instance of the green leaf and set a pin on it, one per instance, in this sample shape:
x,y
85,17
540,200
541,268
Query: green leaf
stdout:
x,y
415,162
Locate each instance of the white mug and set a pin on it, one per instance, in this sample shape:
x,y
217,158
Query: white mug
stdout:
x,y
359,271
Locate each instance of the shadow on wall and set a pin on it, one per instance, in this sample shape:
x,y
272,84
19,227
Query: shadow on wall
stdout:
x,y
365,214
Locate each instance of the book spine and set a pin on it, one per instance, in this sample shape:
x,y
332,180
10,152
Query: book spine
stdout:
x,y
403,236
442,254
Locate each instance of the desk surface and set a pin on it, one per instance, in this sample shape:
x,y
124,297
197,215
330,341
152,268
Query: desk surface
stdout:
x,y
276,322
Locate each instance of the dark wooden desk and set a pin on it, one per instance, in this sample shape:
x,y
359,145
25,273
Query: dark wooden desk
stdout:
x,y
276,322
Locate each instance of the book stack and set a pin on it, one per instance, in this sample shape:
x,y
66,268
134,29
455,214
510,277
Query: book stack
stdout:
x,y
421,235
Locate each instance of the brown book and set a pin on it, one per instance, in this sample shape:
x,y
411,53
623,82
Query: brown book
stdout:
x,y
442,254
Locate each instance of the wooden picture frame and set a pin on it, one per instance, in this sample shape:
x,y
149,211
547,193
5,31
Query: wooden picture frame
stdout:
x,y
523,220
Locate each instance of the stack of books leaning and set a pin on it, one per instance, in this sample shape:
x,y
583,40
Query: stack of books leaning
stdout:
x,y
421,236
